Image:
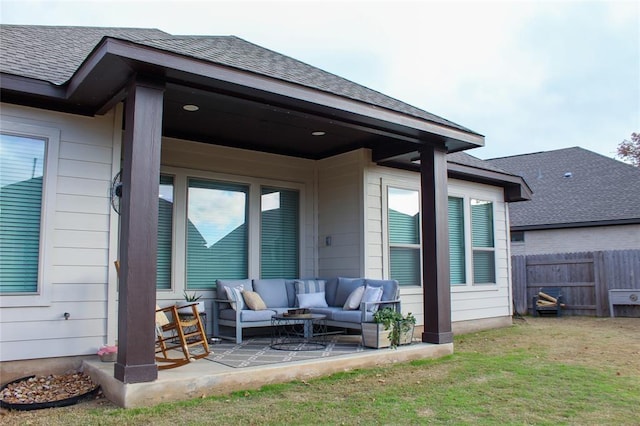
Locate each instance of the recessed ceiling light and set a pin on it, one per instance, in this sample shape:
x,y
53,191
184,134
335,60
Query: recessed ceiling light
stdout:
x,y
319,133
190,107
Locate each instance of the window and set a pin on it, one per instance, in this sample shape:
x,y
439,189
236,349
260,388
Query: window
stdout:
x,y
517,237
21,189
484,266
217,234
457,258
165,233
471,242
28,175
403,219
279,229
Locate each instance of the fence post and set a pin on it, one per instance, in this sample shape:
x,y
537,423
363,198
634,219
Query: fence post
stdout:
x,y
519,284
600,282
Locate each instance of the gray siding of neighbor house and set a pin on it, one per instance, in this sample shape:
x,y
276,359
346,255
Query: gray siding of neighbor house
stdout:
x,y
569,240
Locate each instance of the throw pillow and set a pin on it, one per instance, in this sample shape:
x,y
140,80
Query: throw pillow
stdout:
x,y
235,295
312,300
253,300
309,286
353,301
372,294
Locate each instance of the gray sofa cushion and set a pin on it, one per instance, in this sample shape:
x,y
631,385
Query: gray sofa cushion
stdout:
x,y
351,316
329,311
309,286
330,287
221,292
389,287
273,292
291,293
345,287
247,315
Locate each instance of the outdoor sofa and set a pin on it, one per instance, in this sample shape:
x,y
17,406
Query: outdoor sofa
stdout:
x,y
346,302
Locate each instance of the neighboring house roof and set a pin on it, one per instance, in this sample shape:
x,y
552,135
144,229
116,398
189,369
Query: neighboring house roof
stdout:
x,y
54,54
573,187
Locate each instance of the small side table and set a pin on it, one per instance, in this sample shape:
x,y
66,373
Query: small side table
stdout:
x,y
298,332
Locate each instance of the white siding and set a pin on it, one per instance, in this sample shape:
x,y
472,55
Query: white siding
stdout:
x,y
340,205
471,302
570,240
77,279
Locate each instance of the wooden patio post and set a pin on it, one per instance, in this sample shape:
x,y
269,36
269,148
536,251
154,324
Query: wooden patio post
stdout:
x,y
138,230
435,246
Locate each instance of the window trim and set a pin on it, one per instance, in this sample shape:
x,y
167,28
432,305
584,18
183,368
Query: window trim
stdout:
x,y
179,255
43,295
386,244
470,285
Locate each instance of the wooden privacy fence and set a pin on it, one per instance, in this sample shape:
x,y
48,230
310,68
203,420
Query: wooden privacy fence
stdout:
x,y
585,279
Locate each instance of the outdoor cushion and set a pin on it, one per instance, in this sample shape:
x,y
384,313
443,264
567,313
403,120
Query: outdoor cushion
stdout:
x,y
389,287
312,300
309,286
291,292
253,300
372,294
221,292
273,292
328,311
345,288
235,294
353,301
351,316
247,315
330,287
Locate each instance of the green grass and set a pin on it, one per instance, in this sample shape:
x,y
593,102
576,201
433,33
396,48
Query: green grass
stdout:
x,y
505,385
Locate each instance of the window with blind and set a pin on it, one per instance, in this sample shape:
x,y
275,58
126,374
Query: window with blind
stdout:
x,y
279,228
457,258
403,223
482,241
21,191
165,233
217,234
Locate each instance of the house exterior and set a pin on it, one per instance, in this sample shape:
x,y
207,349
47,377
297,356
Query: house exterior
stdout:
x,y
582,201
236,162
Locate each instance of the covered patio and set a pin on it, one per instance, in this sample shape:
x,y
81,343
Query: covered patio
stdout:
x,y
227,93
206,378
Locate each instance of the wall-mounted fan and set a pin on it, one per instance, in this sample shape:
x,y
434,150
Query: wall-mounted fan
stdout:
x,y
116,191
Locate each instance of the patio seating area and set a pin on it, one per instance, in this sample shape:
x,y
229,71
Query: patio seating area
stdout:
x,y
206,377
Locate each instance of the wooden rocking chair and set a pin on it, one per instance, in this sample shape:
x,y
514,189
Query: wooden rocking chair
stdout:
x,y
174,332
177,333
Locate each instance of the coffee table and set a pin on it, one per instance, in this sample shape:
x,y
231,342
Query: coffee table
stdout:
x,y
298,332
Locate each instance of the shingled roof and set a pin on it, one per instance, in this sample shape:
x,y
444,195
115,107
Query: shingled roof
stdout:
x,y
54,54
573,187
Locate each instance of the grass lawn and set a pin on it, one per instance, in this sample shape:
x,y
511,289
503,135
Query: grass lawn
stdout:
x,y
582,371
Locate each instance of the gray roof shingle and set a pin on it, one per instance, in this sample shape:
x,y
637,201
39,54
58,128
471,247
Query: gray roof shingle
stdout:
x,y
53,54
573,185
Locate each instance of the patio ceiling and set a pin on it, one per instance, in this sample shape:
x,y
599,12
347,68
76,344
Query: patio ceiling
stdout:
x,y
239,108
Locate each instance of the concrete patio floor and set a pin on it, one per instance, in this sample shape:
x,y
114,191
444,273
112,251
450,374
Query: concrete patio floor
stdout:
x,y
205,378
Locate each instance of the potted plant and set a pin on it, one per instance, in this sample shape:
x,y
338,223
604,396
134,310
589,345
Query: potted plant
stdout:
x,y
388,329
190,299
108,353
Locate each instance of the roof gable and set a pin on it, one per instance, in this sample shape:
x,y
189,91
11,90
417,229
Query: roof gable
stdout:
x,y
574,186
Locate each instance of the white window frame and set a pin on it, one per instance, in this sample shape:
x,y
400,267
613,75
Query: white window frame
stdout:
x,y
179,255
469,285
43,295
386,245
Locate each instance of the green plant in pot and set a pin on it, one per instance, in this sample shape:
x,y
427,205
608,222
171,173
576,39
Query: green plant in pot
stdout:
x,y
390,328
190,299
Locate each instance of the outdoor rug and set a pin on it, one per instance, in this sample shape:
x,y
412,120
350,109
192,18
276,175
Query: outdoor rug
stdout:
x,y
257,351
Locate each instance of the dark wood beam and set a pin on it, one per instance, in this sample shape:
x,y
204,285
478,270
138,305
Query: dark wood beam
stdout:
x,y
435,246
138,231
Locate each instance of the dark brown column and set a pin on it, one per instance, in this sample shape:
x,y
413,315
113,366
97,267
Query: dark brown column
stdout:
x,y
435,246
138,229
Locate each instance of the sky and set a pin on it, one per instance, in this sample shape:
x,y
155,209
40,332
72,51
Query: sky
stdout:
x,y
529,76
